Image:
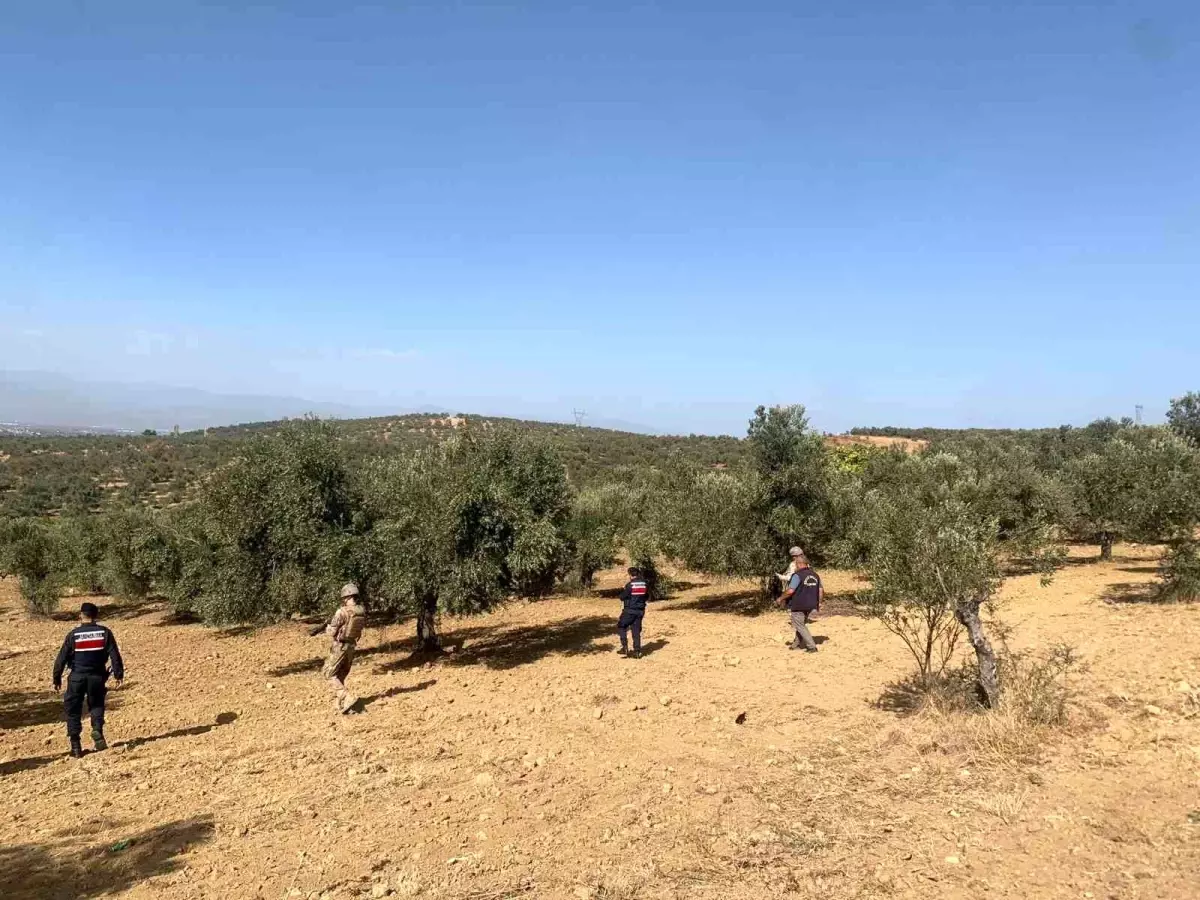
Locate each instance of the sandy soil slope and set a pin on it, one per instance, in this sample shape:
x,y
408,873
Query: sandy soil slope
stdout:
x,y
533,762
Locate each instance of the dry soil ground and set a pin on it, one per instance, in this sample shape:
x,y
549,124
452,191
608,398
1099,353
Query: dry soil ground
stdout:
x,y
533,762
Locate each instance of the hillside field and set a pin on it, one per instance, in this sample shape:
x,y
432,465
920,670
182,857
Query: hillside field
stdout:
x,y
533,762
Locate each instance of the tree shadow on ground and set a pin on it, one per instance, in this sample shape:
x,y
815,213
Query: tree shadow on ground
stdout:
x,y
1122,592
178,617
753,603
314,663
507,648
24,709
1139,570
122,610
364,702
237,631
911,694
61,871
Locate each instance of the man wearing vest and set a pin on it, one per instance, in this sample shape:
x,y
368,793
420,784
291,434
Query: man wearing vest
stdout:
x,y
633,609
802,598
87,651
345,628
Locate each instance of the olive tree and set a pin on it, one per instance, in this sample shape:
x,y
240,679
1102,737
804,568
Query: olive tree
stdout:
x,y
1180,572
32,550
280,529
459,527
793,467
591,531
935,563
1144,485
714,523
1184,416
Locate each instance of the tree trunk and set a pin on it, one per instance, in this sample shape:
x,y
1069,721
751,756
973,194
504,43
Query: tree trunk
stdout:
x,y
587,578
427,636
989,679
1106,545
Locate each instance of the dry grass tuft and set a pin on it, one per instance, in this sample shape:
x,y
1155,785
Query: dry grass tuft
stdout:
x,y
1037,703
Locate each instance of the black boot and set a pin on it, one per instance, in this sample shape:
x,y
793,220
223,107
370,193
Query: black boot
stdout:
x,y
76,749
98,739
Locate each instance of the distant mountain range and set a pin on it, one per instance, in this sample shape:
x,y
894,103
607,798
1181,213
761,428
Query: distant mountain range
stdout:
x,y
41,402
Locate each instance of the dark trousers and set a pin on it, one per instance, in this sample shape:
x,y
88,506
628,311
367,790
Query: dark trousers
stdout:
x,y
631,621
79,688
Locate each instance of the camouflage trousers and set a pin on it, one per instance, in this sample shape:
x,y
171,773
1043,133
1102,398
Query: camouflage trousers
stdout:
x,y
339,661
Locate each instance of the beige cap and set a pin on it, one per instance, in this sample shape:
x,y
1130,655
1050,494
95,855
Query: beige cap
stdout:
x,y
349,590
795,551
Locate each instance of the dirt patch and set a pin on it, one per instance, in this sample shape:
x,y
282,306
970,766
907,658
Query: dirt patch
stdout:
x,y
533,762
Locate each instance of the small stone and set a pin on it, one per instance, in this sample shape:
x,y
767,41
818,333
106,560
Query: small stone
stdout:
x,y
667,788
380,890
952,860
597,713
733,661
1153,710
583,893
483,779
1183,687
665,701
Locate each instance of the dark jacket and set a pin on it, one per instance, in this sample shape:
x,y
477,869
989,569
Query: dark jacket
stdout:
x,y
634,596
87,650
805,588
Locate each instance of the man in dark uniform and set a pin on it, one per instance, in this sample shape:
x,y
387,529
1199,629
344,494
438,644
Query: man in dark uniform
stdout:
x,y
633,609
87,651
802,598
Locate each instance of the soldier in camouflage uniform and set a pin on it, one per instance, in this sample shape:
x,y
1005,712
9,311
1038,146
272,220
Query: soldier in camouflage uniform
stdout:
x,y
345,628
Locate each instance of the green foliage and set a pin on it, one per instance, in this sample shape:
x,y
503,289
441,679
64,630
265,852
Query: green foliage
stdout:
x,y
793,467
1180,572
930,554
714,523
591,531
136,553
1142,484
31,550
279,529
459,527
84,547
1184,417
935,554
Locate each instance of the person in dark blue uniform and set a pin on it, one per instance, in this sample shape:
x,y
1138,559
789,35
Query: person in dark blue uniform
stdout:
x,y
633,610
87,651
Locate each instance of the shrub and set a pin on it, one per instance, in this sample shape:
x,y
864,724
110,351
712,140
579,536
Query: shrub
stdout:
x,y
32,550
1180,572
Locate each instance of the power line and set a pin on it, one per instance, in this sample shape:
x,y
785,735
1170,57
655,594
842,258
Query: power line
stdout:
x,y
1137,413
580,415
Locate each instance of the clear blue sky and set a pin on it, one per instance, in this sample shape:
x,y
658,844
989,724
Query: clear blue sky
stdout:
x,y
948,213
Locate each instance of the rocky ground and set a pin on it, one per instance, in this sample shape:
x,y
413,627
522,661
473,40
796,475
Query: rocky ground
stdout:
x,y
533,762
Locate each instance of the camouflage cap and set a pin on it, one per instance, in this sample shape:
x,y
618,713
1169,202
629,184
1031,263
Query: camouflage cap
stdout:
x,y
349,590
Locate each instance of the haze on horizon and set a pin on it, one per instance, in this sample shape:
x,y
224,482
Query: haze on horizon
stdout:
x,y
909,214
